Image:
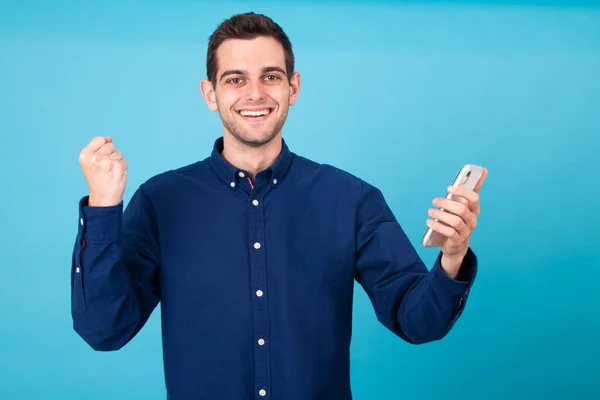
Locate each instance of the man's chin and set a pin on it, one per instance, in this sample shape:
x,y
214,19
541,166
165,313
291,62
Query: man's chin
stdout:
x,y
255,140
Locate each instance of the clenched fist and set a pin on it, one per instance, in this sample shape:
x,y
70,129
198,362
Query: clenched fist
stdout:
x,y
105,172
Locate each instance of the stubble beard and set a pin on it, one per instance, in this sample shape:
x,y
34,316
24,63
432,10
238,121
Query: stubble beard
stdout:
x,y
248,139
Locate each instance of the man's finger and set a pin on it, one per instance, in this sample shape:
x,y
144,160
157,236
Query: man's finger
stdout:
x,y
117,155
470,195
450,219
93,146
464,211
444,229
106,149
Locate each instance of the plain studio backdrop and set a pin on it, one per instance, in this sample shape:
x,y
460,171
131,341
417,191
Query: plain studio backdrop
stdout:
x,y
400,94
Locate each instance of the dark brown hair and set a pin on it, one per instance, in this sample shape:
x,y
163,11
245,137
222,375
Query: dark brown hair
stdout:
x,y
247,26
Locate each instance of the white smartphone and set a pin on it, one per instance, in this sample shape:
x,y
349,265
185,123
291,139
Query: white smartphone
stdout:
x,y
468,176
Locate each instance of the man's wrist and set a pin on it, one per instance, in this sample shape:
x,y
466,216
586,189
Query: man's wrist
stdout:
x,y
451,265
93,202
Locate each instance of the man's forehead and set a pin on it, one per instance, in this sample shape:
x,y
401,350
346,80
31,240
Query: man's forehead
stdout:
x,y
251,55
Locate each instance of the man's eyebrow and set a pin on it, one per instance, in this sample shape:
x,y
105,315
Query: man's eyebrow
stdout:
x,y
232,72
273,69
241,72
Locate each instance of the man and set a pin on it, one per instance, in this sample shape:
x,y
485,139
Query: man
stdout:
x,y
253,251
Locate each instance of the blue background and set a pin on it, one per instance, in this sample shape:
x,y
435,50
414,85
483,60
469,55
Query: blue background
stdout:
x,y
400,94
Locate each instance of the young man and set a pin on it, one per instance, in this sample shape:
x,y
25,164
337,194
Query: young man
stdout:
x,y
253,251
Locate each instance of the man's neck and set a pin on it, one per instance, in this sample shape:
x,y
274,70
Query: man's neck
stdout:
x,y
250,159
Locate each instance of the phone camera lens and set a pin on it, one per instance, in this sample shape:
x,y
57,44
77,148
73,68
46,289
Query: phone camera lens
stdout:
x,y
464,179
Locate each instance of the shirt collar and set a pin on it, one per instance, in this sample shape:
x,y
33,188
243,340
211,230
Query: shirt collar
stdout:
x,y
229,173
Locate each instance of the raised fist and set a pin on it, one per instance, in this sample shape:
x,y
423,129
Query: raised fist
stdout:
x,y
105,172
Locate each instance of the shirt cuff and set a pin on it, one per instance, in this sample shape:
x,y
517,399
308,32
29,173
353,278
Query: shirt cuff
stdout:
x,y
453,288
99,224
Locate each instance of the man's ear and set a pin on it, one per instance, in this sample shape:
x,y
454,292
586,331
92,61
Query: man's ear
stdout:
x,y
208,91
294,88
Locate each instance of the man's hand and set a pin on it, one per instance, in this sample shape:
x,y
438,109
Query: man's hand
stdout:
x,y
456,221
105,171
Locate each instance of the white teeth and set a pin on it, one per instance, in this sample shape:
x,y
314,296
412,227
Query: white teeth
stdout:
x,y
255,113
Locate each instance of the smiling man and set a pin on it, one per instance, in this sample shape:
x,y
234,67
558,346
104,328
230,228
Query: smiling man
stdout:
x,y
250,87
253,251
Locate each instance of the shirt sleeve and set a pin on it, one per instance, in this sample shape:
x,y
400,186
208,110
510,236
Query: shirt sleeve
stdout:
x,y
418,304
114,273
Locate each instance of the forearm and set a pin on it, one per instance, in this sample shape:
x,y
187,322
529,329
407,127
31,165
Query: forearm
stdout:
x,y
434,304
109,306
105,310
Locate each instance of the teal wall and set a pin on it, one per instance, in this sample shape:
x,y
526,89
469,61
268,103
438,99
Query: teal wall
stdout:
x,y
398,93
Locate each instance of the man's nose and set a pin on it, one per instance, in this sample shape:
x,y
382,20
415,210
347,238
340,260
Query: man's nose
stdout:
x,y
255,90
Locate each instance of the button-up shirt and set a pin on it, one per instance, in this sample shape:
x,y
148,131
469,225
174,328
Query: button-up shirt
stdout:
x,y
255,277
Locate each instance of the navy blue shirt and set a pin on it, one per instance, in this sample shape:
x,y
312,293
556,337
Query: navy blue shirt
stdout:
x,y
255,279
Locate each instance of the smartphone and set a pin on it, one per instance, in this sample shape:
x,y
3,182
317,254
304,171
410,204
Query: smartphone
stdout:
x,y
468,176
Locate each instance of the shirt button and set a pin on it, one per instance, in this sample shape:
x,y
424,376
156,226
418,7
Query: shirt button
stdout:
x,y
81,221
257,245
274,181
255,202
261,341
77,270
241,174
259,293
262,392
232,184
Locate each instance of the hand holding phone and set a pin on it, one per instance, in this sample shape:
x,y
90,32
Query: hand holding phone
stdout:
x,y
470,177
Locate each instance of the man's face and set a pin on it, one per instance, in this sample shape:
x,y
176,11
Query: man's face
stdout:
x,y
252,93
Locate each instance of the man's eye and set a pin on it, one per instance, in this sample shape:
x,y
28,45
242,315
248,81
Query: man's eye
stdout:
x,y
235,80
272,77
